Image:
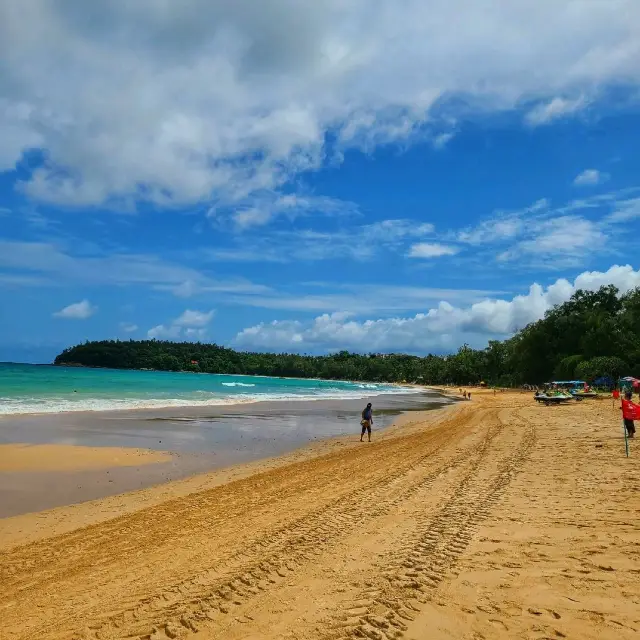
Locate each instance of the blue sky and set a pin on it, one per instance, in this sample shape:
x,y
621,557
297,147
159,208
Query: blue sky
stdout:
x,y
312,178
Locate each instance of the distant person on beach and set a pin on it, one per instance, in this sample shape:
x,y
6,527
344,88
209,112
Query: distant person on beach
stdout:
x,y
366,422
468,395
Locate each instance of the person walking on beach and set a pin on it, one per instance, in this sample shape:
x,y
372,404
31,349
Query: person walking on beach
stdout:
x,y
367,421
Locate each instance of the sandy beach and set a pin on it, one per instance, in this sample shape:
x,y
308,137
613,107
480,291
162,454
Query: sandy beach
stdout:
x,y
495,518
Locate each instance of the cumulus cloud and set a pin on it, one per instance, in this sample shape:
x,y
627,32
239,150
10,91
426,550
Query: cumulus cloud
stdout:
x,y
192,318
190,325
164,332
128,327
431,250
590,177
171,102
77,311
443,327
195,334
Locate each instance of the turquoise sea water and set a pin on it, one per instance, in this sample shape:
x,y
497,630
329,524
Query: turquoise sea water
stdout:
x,y
28,388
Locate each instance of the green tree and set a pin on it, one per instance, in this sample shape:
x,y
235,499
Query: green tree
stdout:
x,y
610,366
566,368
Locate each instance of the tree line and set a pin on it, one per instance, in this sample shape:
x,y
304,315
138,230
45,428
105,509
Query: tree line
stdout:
x,y
594,334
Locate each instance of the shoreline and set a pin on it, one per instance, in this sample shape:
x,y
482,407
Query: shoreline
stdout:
x,y
29,526
232,401
186,443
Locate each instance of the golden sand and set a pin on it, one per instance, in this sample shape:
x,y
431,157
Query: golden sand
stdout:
x,y
495,518
62,457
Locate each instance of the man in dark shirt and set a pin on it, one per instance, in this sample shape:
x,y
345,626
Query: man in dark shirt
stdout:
x,y
366,422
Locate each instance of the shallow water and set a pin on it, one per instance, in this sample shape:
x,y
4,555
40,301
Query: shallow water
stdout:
x,y
28,388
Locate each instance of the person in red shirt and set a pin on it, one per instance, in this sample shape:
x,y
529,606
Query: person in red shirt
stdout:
x,y
630,413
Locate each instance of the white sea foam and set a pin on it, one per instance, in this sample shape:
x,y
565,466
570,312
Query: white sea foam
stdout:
x,y
236,384
65,404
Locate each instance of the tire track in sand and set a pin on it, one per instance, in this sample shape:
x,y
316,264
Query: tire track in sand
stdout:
x,y
207,590
410,576
212,595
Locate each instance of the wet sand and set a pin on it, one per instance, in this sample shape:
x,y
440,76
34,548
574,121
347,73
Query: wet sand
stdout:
x,y
97,454
60,457
196,429
496,518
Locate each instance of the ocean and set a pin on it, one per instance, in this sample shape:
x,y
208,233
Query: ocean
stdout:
x,y
26,388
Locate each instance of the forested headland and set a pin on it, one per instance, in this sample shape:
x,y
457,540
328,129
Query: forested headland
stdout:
x,y
594,334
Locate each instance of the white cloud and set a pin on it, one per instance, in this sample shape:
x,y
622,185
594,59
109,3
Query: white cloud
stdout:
x,y
442,139
77,311
194,318
128,327
555,109
262,208
431,250
163,332
121,98
502,226
443,327
624,211
52,261
590,177
21,280
389,230
362,299
361,242
565,237
195,334
251,217
190,325
549,237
